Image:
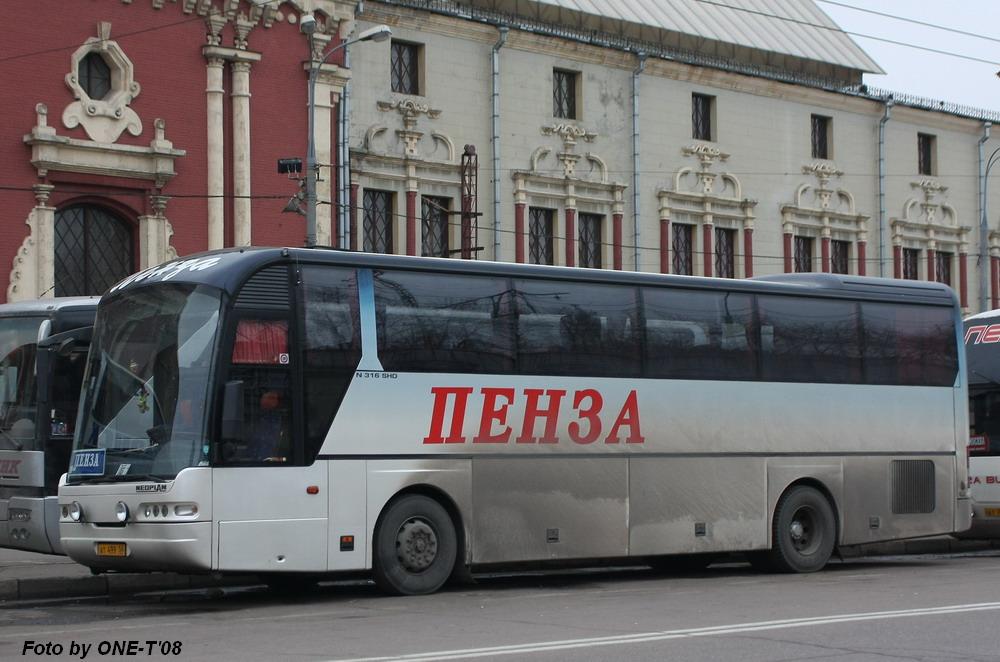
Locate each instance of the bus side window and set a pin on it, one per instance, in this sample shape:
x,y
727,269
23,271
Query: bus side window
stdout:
x,y
693,334
909,345
577,329
331,346
451,323
806,339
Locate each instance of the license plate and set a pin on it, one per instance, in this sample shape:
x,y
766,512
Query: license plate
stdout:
x,y
991,512
112,549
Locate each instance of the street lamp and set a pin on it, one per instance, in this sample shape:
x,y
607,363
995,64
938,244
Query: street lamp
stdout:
x,y
308,27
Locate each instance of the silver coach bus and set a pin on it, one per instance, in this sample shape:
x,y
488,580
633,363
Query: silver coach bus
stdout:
x,y
307,411
43,350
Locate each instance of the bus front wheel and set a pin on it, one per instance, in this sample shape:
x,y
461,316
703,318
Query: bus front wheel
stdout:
x,y
415,547
804,531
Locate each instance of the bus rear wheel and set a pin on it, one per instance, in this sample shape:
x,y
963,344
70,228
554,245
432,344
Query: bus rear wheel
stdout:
x,y
804,531
415,547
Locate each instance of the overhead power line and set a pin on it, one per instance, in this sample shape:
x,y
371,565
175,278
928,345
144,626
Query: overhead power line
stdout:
x,y
914,21
121,35
820,26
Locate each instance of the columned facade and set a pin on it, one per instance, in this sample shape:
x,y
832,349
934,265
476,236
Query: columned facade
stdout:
x,y
820,215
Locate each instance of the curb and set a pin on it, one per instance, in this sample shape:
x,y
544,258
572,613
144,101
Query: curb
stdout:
x,y
113,585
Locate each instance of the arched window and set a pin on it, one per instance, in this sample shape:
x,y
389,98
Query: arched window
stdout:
x,y
93,250
95,76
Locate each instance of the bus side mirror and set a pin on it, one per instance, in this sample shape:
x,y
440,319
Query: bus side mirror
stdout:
x,y
232,412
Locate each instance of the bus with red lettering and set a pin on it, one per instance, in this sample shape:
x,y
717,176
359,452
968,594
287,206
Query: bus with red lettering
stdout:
x,y
43,350
303,412
982,350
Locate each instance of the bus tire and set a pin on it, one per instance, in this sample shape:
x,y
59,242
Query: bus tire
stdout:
x,y
415,547
804,531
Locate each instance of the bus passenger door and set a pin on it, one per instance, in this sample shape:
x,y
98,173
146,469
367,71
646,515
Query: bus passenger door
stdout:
x,y
270,509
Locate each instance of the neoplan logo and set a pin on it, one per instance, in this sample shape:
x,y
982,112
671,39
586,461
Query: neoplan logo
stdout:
x,y
155,487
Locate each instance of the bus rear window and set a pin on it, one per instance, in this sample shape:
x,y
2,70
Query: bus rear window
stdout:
x,y
261,342
909,345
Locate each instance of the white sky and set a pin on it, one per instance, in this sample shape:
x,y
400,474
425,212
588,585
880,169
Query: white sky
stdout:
x,y
931,75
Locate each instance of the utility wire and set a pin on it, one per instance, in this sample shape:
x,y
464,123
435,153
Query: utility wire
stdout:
x,y
122,35
354,209
707,2
820,26
911,20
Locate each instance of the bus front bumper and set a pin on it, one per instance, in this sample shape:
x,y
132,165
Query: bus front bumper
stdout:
x,y
985,522
179,547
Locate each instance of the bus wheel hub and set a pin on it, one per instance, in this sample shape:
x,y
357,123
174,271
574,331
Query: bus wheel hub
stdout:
x,y
416,545
797,530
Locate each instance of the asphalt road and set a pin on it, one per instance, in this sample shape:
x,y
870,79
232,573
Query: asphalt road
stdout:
x,y
929,608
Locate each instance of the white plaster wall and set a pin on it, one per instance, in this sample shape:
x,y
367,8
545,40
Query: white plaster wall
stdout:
x,y
763,125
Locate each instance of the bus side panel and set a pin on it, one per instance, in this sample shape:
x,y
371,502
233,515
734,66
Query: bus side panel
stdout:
x,y
683,505
451,477
275,525
547,507
872,484
347,496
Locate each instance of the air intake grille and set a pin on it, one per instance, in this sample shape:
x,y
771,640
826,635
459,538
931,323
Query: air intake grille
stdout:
x,y
267,289
912,486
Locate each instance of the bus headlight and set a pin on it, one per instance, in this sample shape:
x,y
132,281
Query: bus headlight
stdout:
x,y
121,511
76,511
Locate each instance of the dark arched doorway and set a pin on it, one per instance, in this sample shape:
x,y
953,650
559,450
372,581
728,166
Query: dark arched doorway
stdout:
x,y
94,249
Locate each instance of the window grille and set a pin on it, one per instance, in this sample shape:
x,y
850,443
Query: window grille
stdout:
x,y
93,250
911,262
378,222
839,251
590,240
405,67
564,94
925,154
803,254
701,116
95,76
683,258
434,225
725,253
540,236
942,267
820,137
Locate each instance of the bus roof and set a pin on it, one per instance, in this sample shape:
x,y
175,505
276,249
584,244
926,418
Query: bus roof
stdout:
x,y
228,269
46,307
985,315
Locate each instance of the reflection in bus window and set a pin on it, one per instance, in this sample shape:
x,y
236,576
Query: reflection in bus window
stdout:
x,y
424,327
331,347
17,382
694,334
585,329
810,340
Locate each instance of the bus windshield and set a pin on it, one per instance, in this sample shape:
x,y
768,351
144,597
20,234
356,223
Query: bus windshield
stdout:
x,y
147,385
18,416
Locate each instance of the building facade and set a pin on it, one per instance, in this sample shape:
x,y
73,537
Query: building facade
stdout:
x,y
514,130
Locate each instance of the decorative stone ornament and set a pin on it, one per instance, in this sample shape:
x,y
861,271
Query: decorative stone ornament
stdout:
x,y
410,111
105,119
